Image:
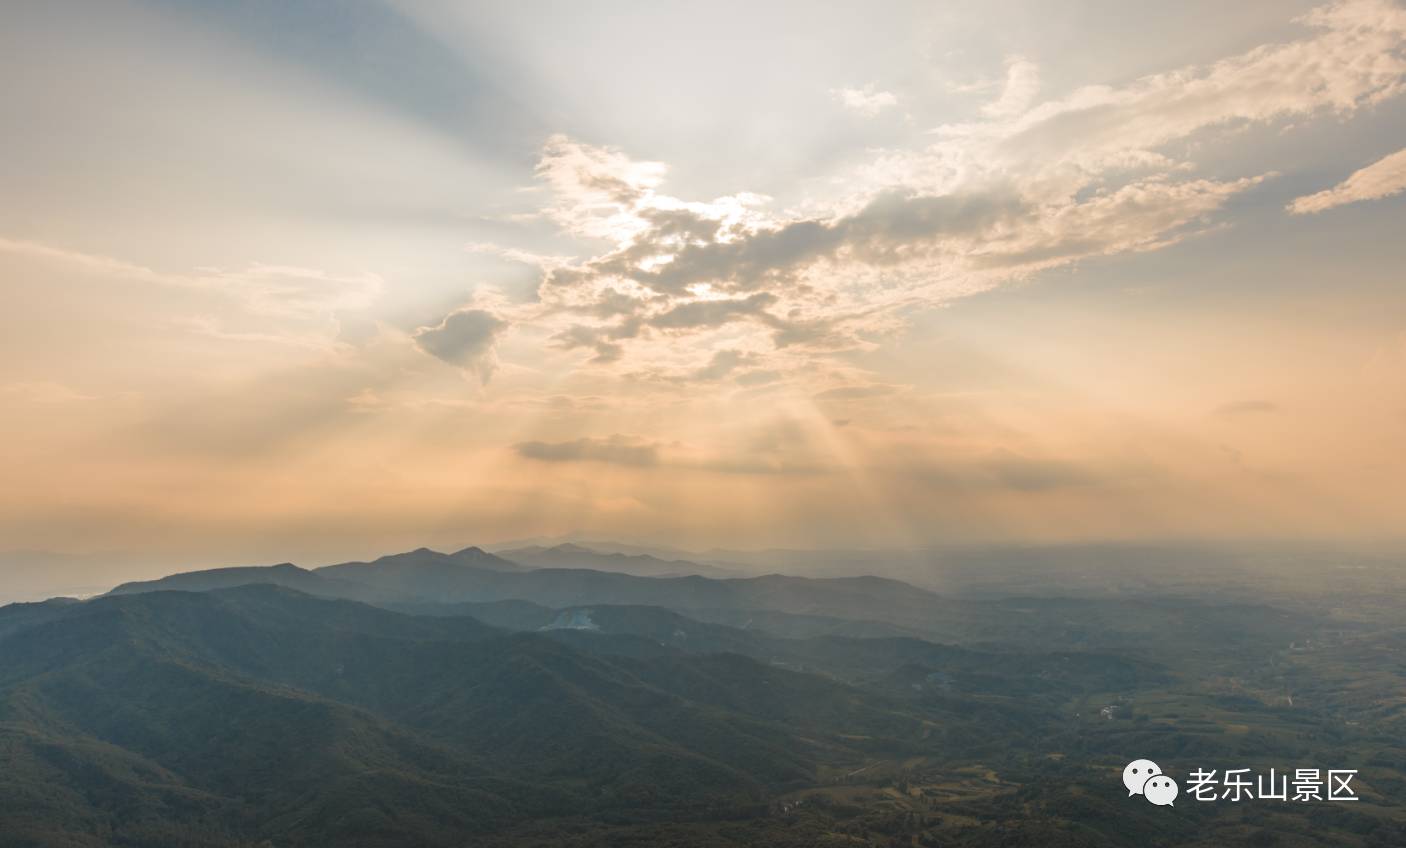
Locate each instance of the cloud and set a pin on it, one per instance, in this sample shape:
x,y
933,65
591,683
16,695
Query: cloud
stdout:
x,y
1383,178
723,363
866,101
614,450
713,312
603,339
612,302
596,188
515,254
1142,215
1022,84
279,291
891,228
1027,187
465,338
1354,59
294,291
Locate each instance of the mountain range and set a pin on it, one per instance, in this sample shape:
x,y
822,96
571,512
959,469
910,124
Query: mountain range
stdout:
x,y
428,582
569,555
258,711
445,699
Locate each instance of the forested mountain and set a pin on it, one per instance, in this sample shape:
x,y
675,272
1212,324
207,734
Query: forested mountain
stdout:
x,y
262,712
460,699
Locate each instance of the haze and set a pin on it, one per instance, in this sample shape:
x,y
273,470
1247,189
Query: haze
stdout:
x,y
297,280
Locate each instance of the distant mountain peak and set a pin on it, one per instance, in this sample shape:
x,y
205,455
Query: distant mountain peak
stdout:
x,y
405,569
573,548
570,555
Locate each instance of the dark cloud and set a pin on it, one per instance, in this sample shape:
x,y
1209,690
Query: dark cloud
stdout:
x,y
604,340
464,338
615,450
757,265
759,377
761,258
682,224
813,333
899,226
613,302
895,227
712,313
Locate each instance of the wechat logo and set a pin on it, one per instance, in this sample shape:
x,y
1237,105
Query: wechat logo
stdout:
x,y
1145,778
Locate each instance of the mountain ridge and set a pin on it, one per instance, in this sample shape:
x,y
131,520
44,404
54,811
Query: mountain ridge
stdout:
x,y
572,555
273,714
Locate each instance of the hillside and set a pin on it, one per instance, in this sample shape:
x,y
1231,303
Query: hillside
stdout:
x,y
473,582
287,575
473,705
265,713
443,581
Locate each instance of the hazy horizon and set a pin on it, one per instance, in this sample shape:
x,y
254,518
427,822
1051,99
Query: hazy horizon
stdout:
x,y
1146,566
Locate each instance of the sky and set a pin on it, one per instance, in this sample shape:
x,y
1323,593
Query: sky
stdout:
x,y
314,280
